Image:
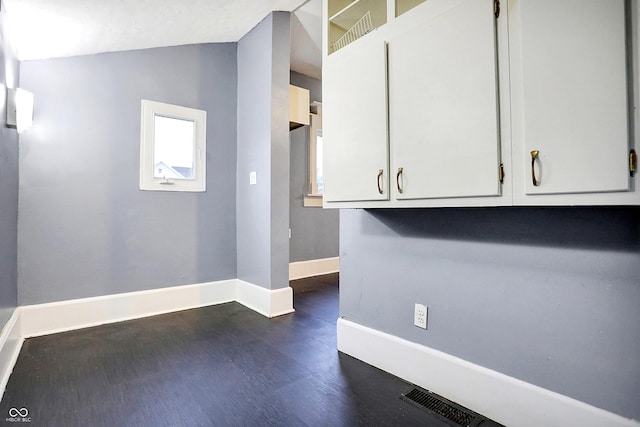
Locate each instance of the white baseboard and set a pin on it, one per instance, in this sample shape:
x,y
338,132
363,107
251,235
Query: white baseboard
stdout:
x,y
49,318
504,399
269,303
43,319
10,344
314,267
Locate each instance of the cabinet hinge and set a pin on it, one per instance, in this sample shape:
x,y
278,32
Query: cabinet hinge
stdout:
x,y
633,162
501,173
496,8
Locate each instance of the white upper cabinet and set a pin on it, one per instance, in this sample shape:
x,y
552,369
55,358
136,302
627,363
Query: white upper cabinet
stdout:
x,y
298,107
570,99
443,105
355,127
447,104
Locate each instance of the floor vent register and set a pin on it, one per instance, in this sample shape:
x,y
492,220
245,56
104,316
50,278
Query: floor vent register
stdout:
x,y
449,412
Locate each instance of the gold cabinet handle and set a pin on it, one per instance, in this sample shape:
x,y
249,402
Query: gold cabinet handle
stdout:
x,y
398,175
534,156
380,181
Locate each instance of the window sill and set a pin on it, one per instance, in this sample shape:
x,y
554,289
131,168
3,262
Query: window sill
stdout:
x,y
312,201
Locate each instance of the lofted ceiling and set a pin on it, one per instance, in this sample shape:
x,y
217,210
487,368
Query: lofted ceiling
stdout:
x,y
306,39
43,29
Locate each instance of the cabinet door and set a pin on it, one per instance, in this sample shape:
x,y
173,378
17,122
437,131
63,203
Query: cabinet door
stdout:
x,y
443,105
355,122
574,102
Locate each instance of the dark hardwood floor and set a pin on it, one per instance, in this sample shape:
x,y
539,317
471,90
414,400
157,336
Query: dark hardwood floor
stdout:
x,y
222,365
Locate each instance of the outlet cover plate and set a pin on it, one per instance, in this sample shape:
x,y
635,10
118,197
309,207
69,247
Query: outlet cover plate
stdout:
x,y
420,316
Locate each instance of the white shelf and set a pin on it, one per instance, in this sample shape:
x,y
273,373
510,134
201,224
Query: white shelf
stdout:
x,y
352,13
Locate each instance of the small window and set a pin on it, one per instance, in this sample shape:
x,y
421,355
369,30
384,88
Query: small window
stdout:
x,y
319,181
172,148
316,181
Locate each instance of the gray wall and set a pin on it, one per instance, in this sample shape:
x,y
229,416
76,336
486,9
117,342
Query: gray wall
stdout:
x,y
263,147
314,231
9,77
85,229
549,296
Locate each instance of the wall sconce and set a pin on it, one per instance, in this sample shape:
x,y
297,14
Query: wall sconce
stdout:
x,y
19,109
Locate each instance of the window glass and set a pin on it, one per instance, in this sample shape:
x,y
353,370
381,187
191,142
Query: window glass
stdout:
x,y
174,148
319,167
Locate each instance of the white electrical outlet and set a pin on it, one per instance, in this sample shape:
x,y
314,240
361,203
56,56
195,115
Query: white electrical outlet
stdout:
x,y
420,315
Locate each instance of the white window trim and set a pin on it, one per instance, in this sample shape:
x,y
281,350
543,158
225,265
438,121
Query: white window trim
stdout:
x,y
149,110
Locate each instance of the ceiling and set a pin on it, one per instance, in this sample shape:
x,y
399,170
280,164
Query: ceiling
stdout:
x,y
306,39
43,29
